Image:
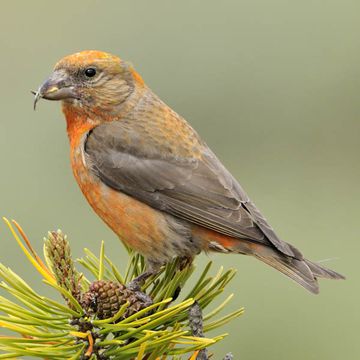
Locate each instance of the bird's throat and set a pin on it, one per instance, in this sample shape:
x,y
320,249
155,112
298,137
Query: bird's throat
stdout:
x,y
78,123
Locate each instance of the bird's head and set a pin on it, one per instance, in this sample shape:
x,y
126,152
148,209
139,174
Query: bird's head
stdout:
x,y
90,80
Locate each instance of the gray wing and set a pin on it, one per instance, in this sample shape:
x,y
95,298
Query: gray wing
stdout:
x,y
197,189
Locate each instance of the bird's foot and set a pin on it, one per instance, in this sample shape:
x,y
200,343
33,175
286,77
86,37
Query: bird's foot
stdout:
x,y
135,286
144,298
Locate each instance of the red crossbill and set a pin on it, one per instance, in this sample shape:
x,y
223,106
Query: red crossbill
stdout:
x,y
147,173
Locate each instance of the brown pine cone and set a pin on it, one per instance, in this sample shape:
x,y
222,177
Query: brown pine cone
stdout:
x,y
104,299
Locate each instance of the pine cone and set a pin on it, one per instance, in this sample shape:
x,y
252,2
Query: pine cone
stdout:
x,y
59,254
104,299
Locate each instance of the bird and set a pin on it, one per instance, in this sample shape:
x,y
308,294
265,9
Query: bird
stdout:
x,y
151,178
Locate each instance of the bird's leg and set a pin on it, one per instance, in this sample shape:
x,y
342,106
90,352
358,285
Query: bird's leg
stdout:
x,y
135,284
153,269
185,261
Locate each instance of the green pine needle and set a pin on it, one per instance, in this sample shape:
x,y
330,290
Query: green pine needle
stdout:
x,y
44,328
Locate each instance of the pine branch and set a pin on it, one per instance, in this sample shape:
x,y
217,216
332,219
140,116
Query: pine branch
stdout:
x,y
102,318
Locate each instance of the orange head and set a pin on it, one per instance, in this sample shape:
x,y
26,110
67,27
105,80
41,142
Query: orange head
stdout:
x,y
91,81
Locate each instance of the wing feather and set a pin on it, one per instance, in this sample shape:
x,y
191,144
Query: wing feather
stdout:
x,y
198,189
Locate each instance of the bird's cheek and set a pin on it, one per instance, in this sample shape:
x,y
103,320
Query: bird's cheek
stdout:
x,y
84,95
78,99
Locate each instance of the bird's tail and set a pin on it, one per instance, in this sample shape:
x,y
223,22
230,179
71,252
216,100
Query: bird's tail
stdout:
x,y
302,271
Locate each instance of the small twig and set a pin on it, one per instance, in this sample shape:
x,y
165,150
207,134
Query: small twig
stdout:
x,y
196,326
91,345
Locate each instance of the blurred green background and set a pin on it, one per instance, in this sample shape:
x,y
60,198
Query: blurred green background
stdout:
x,y
272,86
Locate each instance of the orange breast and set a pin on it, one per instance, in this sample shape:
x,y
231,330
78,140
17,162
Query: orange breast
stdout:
x,y
139,226
153,233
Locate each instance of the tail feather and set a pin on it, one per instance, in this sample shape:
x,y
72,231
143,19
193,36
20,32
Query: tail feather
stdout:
x,y
302,271
323,272
295,269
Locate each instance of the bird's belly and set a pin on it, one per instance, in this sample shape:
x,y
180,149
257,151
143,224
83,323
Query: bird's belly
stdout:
x,y
156,235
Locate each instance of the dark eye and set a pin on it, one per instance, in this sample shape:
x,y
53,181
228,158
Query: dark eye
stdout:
x,y
90,72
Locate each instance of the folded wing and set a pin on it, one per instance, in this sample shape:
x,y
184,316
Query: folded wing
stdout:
x,y
195,188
